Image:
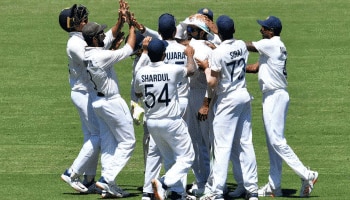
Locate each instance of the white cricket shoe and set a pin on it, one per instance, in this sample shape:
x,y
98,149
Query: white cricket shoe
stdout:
x,y
110,188
147,196
193,187
158,190
196,192
75,183
308,185
238,192
252,196
208,196
92,188
267,191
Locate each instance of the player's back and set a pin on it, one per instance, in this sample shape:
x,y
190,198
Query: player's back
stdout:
x,y
230,58
175,54
158,84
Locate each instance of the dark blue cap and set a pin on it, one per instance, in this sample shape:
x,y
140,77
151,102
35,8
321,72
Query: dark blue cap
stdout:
x,y
225,25
156,49
207,12
271,22
166,25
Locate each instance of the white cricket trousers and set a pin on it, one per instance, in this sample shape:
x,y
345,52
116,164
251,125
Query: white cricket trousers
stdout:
x,y
174,143
117,134
275,108
87,159
199,132
153,158
233,135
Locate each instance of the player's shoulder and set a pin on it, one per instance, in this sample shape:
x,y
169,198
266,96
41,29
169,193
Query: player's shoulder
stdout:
x,y
172,68
239,42
76,42
142,71
175,45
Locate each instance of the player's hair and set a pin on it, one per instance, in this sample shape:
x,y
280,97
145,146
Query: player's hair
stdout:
x,y
89,40
156,57
228,34
276,31
169,34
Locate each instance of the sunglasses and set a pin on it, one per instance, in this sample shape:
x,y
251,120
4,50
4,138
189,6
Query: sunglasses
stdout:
x,y
100,36
191,29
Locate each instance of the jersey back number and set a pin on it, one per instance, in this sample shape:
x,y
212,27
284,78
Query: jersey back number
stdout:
x,y
237,64
162,98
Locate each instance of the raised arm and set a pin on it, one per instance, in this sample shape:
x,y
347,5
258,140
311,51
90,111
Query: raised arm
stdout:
x,y
122,17
251,47
191,66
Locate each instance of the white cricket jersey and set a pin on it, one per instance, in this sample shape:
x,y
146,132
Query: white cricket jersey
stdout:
x,y
79,79
272,61
100,64
201,52
230,59
78,76
174,54
158,84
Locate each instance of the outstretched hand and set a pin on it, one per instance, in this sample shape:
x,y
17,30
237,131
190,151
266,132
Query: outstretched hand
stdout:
x,y
124,13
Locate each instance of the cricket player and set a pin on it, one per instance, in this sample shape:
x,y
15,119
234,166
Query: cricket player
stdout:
x,y
72,20
157,83
198,122
273,84
114,117
174,55
232,113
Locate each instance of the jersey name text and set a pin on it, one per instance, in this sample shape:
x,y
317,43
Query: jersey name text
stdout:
x,y
175,55
237,53
155,77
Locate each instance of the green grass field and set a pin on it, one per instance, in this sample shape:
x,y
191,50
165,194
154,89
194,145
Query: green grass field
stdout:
x,y
40,130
